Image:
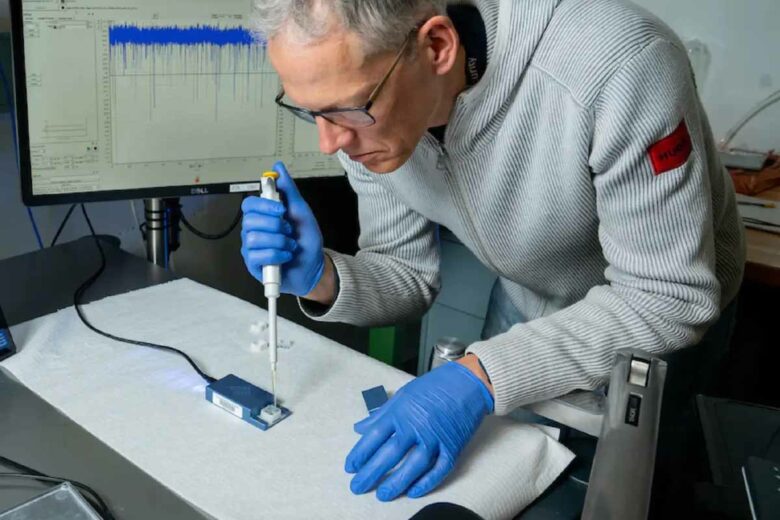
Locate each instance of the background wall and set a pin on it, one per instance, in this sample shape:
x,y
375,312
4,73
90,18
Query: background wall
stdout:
x,y
742,38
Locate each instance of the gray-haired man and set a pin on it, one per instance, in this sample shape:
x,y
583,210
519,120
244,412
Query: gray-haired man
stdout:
x,y
561,140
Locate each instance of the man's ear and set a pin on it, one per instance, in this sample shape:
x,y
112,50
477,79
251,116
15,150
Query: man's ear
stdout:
x,y
439,42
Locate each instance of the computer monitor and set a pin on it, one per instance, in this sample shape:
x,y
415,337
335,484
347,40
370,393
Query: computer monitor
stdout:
x,y
147,98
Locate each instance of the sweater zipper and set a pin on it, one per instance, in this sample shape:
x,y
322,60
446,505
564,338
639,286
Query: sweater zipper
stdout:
x,y
441,163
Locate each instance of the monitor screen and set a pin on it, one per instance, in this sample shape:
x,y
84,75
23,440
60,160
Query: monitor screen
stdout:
x,y
148,98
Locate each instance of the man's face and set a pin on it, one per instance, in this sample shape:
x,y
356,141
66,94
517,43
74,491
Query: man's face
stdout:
x,y
334,73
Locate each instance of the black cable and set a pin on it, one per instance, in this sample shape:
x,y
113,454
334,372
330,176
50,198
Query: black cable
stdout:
x,y
62,225
79,294
29,473
210,236
19,466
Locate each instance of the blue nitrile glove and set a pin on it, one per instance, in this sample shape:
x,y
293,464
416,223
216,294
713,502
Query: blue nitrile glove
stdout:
x,y
286,234
434,416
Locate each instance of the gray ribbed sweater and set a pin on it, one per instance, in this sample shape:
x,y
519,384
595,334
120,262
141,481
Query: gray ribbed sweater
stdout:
x,y
546,176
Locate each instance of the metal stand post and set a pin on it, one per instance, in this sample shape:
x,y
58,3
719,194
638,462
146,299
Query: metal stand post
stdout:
x,y
154,210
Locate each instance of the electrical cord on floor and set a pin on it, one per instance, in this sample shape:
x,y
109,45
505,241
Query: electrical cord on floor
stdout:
x,y
91,495
209,236
79,296
62,225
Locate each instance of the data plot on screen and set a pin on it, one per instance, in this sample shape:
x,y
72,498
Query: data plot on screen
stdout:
x,y
192,92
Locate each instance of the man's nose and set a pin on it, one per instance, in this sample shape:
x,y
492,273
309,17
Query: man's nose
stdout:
x,y
333,137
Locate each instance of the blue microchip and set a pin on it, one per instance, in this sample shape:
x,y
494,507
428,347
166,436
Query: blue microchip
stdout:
x,y
243,399
375,398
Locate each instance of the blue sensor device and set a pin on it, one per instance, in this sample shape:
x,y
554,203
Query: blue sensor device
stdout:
x,y
374,398
246,401
7,346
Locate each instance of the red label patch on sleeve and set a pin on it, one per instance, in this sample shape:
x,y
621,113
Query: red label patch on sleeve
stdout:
x,y
672,151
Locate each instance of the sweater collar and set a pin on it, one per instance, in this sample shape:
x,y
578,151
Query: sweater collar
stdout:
x,y
514,29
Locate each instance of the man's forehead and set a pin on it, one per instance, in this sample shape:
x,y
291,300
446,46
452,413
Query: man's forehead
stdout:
x,y
333,70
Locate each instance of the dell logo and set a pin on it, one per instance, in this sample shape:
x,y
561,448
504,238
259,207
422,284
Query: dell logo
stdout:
x,y
199,191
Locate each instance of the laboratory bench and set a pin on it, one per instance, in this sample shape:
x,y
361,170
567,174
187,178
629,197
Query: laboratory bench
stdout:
x,y
37,435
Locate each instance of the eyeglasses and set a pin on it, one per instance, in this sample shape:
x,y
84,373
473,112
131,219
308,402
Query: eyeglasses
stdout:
x,y
355,117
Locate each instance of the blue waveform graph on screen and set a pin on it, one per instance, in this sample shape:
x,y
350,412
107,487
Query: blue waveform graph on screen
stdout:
x,y
197,35
199,91
197,50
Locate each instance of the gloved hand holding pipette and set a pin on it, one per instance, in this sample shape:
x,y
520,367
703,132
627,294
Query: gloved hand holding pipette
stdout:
x,y
283,233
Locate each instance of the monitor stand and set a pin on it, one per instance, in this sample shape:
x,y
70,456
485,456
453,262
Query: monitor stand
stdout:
x,y
156,226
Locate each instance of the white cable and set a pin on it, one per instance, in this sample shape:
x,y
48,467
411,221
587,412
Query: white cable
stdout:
x,y
137,223
578,481
770,100
135,215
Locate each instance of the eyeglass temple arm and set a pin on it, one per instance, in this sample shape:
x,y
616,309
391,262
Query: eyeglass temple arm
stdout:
x,y
398,57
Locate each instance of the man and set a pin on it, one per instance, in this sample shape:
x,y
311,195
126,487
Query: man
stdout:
x,y
564,144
